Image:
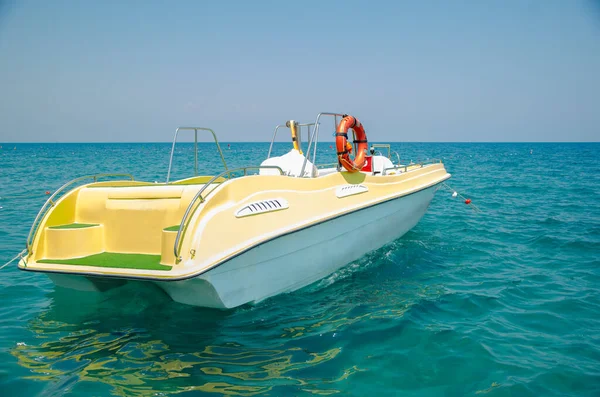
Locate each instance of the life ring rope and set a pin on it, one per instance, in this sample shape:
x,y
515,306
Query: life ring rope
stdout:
x,y
344,147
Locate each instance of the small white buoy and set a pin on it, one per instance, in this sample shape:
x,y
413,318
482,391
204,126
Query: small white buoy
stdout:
x,y
454,194
531,151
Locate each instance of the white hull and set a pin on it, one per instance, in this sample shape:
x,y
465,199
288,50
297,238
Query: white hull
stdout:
x,y
289,262
293,261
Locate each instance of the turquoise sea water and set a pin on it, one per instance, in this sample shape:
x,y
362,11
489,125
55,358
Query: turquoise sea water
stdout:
x,y
505,302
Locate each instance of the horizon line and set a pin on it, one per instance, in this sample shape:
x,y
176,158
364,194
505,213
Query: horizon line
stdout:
x,y
268,142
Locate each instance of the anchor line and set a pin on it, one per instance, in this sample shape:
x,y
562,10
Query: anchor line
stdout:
x,y
19,256
475,208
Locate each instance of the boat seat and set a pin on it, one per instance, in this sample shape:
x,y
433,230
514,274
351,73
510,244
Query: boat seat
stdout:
x,y
379,163
291,163
134,217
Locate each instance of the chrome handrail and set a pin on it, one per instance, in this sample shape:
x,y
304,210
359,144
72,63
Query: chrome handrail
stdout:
x,y
396,167
388,147
315,136
283,125
189,211
382,146
195,129
45,208
421,164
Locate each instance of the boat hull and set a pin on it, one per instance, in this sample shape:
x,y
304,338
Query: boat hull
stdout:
x,y
294,260
287,262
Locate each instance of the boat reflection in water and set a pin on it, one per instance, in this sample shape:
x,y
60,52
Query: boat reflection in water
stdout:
x,y
136,342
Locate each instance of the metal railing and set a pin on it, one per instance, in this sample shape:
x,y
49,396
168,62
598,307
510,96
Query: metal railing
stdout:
x,y
385,146
308,125
192,207
420,164
314,138
195,129
51,203
382,146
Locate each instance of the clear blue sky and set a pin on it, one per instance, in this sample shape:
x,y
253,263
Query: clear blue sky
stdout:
x,y
112,70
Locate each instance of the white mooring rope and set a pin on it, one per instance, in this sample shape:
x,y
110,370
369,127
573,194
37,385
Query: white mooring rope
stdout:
x,y
19,256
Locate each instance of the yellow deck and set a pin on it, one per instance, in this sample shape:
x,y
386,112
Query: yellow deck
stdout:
x,y
102,226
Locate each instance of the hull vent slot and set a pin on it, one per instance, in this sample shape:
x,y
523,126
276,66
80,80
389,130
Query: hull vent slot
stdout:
x,y
350,190
262,207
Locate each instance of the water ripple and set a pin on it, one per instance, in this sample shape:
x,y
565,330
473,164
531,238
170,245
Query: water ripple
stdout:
x,y
503,302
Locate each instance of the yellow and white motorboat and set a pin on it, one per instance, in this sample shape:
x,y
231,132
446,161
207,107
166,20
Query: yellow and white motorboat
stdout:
x,y
231,239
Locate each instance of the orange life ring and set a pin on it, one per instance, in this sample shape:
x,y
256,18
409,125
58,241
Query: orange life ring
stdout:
x,y
344,148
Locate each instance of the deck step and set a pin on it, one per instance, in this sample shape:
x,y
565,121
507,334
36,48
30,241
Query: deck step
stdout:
x,y
114,260
167,242
74,226
73,240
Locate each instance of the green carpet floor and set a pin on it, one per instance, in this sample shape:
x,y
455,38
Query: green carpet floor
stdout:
x,y
114,260
74,226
